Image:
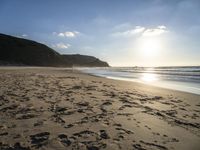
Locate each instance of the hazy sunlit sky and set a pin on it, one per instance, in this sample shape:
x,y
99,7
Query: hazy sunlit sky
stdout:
x,y
121,32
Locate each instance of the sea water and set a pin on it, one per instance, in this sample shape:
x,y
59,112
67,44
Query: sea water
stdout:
x,y
185,79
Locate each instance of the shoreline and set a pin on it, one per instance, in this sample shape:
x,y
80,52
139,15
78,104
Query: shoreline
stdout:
x,y
98,76
59,108
144,84
102,77
155,78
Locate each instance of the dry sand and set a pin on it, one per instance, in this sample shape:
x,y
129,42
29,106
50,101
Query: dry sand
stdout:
x,y
49,108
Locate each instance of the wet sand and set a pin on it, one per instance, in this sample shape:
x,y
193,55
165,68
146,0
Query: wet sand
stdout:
x,y
54,108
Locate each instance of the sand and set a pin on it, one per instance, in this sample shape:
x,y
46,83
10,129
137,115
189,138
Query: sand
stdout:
x,y
55,108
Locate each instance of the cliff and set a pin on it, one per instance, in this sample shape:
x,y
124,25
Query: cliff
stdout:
x,y
18,51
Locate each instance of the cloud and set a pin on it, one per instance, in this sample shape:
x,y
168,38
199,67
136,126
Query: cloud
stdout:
x,y
69,34
162,27
155,31
61,34
139,29
24,35
128,33
143,31
61,46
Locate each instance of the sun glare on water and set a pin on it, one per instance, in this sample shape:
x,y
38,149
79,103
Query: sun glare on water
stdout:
x,y
148,77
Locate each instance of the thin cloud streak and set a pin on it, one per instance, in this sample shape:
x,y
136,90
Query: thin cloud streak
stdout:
x,y
143,31
128,33
24,35
155,31
61,46
68,34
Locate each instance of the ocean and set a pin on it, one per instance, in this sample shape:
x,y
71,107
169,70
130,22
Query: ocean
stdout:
x,y
185,79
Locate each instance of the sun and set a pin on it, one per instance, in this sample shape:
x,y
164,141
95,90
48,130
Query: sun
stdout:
x,y
149,47
148,50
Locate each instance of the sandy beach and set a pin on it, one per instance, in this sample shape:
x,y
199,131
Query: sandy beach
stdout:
x,y
55,109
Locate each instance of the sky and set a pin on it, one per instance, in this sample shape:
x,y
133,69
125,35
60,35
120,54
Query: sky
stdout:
x,y
121,32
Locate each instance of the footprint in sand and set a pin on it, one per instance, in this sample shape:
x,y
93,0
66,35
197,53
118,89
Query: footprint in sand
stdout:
x,y
40,139
64,140
17,146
